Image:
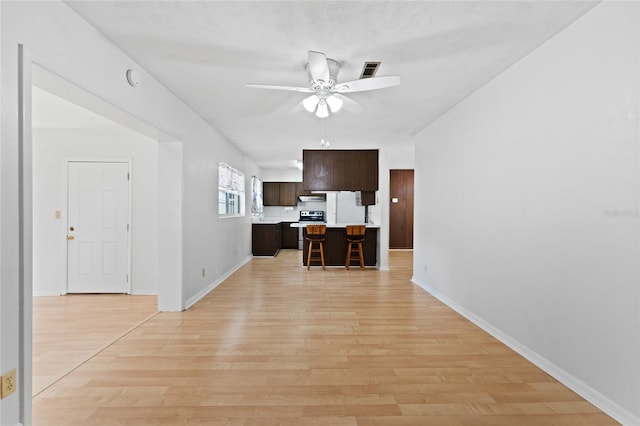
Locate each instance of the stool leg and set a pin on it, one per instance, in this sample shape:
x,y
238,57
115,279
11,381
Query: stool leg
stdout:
x,y
361,256
346,262
309,255
322,254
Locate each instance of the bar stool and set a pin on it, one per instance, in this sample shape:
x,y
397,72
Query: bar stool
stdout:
x,y
316,236
355,237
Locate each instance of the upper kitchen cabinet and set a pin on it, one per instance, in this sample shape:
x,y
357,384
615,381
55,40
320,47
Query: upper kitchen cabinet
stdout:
x,y
288,194
301,191
340,170
365,198
279,193
271,193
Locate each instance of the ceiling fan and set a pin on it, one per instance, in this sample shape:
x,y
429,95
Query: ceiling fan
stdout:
x,y
327,93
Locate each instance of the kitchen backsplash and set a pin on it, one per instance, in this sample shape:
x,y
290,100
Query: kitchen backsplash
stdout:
x,y
340,207
293,212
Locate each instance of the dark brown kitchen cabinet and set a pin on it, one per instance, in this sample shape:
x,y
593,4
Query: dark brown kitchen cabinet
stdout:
x,y
289,236
340,170
288,195
266,238
279,194
300,189
271,193
365,198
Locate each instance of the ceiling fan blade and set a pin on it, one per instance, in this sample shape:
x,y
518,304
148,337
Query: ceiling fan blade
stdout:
x,y
363,84
274,87
348,103
299,107
318,66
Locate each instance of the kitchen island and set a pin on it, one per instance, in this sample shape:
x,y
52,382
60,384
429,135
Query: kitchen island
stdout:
x,y
335,244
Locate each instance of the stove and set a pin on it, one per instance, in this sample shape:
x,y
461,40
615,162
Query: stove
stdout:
x,y
311,216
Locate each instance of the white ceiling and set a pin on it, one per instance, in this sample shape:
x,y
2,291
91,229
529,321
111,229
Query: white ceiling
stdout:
x,y
205,52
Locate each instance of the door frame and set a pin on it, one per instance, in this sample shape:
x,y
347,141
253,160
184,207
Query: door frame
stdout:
x,y
25,241
65,254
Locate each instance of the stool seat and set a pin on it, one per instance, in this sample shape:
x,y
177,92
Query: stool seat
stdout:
x,y
355,237
316,235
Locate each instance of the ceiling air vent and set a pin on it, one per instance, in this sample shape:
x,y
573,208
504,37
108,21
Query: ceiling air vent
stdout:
x,y
370,69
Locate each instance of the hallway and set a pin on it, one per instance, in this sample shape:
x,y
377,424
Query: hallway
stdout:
x,y
276,344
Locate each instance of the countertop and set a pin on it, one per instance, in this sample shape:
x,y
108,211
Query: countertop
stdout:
x,y
273,220
296,224
332,225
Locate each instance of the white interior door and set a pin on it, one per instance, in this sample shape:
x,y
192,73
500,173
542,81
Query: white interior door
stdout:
x,y
98,227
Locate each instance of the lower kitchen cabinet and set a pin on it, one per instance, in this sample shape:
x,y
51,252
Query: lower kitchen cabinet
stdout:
x,y
266,238
289,236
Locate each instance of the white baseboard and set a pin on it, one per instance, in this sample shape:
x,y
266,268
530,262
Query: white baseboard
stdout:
x,y
384,268
144,293
195,299
57,293
45,293
593,396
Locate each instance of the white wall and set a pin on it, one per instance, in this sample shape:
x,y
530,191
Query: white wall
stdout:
x,y
280,175
52,149
527,207
69,47
170,247
401,156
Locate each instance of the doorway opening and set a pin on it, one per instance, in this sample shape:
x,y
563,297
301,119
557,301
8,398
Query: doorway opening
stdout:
x,y
48,277
83,228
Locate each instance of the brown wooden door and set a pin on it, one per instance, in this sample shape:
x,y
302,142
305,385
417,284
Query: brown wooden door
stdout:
x,y
401,209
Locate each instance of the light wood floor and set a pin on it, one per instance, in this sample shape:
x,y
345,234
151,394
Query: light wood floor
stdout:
x,y
69,330
278,345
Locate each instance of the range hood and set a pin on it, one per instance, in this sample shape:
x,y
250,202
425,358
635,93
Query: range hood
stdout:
x,y
313,197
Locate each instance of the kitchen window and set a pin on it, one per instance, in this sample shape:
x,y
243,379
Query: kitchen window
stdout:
x,y
230,191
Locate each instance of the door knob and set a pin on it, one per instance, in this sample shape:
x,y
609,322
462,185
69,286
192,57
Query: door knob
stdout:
x,y
70,237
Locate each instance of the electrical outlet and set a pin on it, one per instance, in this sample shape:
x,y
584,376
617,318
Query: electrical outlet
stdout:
x,y
203,272
9,383
425,268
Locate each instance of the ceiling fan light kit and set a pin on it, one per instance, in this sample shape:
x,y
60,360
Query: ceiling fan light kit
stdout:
x,y
335,103
327,95
322,111
311,103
